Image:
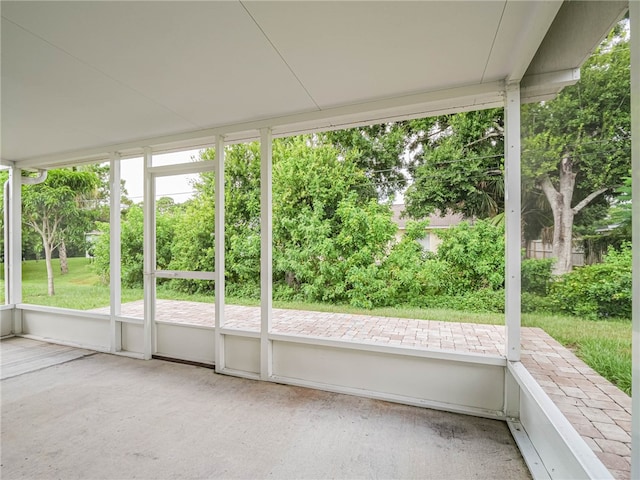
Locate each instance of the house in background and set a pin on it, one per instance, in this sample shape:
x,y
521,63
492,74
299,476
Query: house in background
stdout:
x,y
431,240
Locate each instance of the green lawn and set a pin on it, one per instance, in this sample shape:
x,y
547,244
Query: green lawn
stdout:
x,y
605,345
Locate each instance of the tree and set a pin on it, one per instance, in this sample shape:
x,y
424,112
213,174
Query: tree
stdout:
x,y
459,165
577,147
50,207
378,150
327,230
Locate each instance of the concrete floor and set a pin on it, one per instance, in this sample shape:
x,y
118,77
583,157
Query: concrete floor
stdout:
x,y
105,416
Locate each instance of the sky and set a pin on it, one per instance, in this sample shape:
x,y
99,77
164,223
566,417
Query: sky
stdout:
x,y
177,187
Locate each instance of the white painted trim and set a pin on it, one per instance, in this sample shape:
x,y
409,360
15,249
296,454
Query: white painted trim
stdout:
x,y
529,453
188,325
266,253
69,312
239,333
390,397
237,373
149,251
634,17
462,357
130,320
124,353
184,274
219,267
535,84
115,257
182,168
7,306
588,462
513,222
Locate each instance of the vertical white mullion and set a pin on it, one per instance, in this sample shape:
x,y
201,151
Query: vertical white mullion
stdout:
x,y
149,254
15,244
266,252
512,221
115,257
219,253
5,259
634,17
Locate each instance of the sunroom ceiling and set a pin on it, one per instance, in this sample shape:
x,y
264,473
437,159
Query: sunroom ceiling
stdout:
x,y
83,78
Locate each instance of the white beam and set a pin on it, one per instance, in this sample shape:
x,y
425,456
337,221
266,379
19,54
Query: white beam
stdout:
x,y
149,251
634,16
534,86
219,253
513,221
182,168
115,257
15,244
266,253
185,274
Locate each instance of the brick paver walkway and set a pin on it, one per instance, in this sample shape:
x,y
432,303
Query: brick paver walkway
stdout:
x,y
597,409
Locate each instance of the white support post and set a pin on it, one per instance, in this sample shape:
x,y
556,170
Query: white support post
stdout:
x,y
115,258
149,250
219,254
15,245
266,253
512,221
634,17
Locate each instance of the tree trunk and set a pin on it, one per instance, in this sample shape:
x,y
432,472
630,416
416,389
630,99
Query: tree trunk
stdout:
x,y
563,214
47,257
62,252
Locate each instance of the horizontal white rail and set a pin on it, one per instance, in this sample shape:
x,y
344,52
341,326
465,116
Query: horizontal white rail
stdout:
x,y
185,274
63,311
181,169
395,349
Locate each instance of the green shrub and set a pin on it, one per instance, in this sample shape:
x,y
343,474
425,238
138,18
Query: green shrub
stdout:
x,y
536,303
475,254
597,291
132,247
536,275
480,301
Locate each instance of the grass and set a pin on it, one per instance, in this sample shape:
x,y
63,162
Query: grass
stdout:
x,y
604,345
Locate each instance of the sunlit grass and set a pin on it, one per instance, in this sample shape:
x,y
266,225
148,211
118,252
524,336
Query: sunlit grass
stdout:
x,y
605,345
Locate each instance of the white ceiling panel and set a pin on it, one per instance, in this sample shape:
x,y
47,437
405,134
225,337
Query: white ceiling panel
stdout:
x,y
354,51
53,98
198,59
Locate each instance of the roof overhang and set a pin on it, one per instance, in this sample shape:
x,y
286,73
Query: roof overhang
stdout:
x,y
82,79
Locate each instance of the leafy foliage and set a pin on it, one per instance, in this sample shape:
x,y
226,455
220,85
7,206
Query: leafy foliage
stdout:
x,y
459,166
475,254
599,290
378,150
132,264
53,209
536,275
